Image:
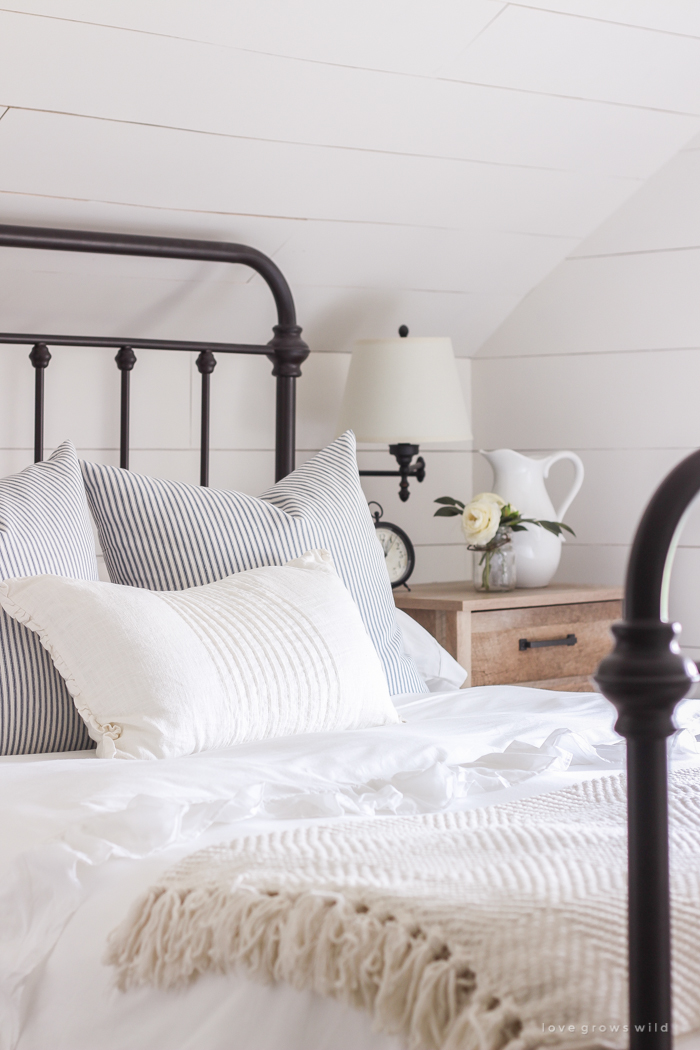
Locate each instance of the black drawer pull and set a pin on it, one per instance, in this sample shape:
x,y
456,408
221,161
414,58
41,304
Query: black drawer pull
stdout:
x,y
525,643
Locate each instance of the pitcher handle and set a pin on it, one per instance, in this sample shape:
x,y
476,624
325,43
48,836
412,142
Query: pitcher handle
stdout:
x,y
577,482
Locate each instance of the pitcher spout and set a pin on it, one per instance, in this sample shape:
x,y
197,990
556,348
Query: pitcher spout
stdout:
x,y
504,454
507,459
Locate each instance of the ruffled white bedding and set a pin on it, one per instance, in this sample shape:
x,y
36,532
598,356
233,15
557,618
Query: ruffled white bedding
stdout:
x,y
82,837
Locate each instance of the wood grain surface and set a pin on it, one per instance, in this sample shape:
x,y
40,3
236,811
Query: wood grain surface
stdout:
x,y
483,631
497,659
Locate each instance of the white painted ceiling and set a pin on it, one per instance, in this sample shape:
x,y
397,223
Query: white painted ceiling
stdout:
x,y
403,161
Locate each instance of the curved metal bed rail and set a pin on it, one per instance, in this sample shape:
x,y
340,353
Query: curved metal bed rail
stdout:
x,y
644,677
287,350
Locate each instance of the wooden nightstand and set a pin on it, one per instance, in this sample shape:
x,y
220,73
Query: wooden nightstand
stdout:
x,y
495,636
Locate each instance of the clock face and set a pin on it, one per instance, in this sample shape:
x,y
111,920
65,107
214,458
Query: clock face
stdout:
x,y
398,553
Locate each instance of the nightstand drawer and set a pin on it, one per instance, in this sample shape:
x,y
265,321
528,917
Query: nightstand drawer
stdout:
x,y
504,645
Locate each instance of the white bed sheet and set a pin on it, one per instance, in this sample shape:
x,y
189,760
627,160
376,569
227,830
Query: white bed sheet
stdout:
x,y
82,838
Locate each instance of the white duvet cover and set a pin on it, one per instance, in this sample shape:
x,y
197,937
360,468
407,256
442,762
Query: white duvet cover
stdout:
x,y
82,837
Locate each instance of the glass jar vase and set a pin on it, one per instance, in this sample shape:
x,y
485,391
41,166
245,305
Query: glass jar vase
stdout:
x,y
494,564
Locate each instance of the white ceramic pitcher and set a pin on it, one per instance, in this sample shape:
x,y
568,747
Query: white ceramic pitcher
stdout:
x,y
519,480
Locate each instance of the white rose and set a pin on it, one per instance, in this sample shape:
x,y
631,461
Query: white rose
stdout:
x,y
480,520
489,496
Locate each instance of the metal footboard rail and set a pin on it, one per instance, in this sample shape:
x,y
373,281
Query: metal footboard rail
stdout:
x,y
644,677
287,350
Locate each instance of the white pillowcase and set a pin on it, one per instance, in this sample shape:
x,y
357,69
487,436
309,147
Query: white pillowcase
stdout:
x,y
267,652
436,666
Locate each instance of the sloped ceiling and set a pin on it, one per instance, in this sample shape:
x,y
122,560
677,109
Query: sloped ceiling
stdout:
x,y
403,161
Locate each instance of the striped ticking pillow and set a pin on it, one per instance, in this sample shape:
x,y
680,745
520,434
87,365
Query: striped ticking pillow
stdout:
x,y
167,536
44,528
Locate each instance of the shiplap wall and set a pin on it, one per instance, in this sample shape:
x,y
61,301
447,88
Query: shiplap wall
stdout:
x,y
402,162
604,358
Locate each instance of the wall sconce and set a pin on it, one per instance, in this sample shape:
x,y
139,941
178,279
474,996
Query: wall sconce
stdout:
x,y
404,392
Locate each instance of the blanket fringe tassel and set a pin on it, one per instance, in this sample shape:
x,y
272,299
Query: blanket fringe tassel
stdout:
x,y
410,980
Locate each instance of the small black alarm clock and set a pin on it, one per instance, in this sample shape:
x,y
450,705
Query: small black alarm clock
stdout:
x,y
399,555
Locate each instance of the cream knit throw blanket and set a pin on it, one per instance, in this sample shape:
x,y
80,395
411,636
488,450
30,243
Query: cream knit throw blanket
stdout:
x,y
480,929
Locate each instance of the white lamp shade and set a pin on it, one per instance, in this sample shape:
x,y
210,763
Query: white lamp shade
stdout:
x,y
404,390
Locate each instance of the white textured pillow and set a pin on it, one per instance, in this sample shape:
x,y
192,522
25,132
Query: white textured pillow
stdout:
x,y
268,652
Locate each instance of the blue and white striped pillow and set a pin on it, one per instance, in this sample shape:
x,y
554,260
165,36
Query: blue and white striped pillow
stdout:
x,y
44,528
166,535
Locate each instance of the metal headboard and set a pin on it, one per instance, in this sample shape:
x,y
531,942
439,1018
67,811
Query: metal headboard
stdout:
x,y
287,350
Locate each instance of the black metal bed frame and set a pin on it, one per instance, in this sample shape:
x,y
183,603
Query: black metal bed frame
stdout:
x,y
644,677
287,350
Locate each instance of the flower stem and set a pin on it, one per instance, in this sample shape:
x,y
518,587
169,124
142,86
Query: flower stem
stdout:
x,y
486,575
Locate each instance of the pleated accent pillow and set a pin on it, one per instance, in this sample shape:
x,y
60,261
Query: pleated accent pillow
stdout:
x,y
44,528
268,652
165,535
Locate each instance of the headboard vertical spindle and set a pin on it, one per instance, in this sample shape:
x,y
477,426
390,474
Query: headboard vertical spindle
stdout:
x,y
206,363
40,357
126,359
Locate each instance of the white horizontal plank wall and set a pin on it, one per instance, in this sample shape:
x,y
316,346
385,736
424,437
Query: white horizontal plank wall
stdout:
x,y
403,163
603,357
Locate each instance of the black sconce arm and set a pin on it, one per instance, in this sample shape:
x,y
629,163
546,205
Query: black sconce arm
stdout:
x,y
403,453
644,677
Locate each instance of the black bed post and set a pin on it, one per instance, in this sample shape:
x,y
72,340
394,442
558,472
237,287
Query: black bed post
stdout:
x,y
285,426
287,352
644,677
126,359
40,358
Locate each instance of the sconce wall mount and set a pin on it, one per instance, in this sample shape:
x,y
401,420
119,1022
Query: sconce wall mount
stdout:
x,y
403,453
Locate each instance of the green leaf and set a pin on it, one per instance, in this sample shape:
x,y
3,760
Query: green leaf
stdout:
x,y
447,512
517,528
452,502
556,527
